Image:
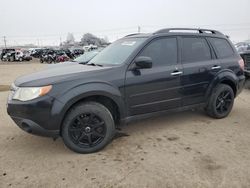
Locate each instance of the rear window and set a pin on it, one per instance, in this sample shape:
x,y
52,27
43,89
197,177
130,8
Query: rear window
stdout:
x,y
222,47
195,50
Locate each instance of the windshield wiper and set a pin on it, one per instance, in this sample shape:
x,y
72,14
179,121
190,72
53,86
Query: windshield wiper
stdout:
x,y
94,64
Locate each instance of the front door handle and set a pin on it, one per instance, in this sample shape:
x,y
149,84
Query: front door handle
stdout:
x,y
215,67
175,73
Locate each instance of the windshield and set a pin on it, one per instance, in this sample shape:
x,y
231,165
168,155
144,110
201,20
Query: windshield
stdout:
x,y
87,56
117,52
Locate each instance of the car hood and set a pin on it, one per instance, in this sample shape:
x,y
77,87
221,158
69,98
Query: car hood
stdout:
x,y
57,74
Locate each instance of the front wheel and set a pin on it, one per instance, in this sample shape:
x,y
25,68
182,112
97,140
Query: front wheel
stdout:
x,y
221,101
88,127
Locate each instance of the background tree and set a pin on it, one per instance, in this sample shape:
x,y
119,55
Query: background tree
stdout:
x,y
89,38
70,38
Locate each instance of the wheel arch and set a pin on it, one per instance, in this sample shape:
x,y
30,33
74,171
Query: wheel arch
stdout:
x,y
226,77
105,94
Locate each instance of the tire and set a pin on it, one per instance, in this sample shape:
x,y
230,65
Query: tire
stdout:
x,y
81,125
41,60
221,101
21,59
50,60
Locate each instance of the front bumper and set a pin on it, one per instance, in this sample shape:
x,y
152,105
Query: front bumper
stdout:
x,y
33,128
35,116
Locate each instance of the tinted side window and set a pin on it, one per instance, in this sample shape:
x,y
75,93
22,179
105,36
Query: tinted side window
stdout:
x,y
195,49
162,51
223,48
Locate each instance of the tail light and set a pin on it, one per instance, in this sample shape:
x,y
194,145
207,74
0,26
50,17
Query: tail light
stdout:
x,y
241,64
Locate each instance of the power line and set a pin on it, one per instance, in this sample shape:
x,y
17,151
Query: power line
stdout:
x,y
129,29
119,32
75,33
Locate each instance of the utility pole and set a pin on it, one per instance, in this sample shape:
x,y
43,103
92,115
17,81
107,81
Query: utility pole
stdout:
x,y
4,40
139,29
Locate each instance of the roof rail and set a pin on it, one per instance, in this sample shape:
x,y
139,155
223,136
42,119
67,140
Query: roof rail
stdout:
x,y
168,30
132,34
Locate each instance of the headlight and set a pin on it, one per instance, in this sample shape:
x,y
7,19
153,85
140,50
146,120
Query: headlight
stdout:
x,y
29,93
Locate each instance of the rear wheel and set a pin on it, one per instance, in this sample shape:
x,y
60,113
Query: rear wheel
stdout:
x,y
50,60
88,127
221,101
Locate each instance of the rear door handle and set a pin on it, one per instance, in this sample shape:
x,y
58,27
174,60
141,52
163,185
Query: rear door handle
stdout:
x,y
215,67
175,73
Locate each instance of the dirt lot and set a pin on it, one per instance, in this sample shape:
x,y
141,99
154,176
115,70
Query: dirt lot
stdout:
x,y
186,149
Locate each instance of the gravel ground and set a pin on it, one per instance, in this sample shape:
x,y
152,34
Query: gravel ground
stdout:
x,y
186,149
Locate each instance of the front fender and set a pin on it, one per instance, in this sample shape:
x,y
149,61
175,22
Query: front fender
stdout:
x,y
64,101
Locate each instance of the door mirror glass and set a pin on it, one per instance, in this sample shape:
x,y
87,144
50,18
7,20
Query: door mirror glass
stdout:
x,y
143,62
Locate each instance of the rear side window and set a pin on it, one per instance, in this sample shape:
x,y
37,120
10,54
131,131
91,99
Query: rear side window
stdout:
x,y
162,51
222,47
195,50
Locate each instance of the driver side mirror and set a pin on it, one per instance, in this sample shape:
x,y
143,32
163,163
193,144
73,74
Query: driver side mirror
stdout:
x,y
143,62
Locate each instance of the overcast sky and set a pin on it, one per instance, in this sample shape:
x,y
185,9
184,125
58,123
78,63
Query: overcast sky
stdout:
x,y
45,21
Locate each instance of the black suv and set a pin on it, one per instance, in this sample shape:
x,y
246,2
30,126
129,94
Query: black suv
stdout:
x,y
138,76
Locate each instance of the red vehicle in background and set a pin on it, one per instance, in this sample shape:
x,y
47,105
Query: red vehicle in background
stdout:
x,y
62,58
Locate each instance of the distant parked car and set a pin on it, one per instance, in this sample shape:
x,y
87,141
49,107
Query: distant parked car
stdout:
x,y
56,56
83,59
77,52
242,46
26,56
21,56
16,55
69,53
90,47
246,57
37,53
48,56
4,53
62,57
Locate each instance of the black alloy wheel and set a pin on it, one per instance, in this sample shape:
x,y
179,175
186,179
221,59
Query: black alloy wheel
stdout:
x,y
87,130
88,127
224,102
221,101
